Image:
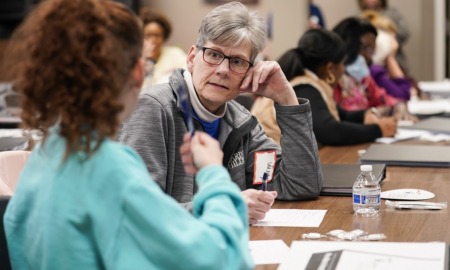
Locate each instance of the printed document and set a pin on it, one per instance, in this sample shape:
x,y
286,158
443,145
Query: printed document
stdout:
x,y
364,255
292,218
268,251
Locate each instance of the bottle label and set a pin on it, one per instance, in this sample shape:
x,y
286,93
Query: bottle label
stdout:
x,y
357,198
366,199
372,199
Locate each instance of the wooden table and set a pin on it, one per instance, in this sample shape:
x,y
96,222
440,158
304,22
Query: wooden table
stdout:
x,y
397,225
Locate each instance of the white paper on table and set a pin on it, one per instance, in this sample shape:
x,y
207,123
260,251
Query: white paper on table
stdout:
x,y
268,251
402,134
19,132
428,107
435,86
406,134
438,137
386,140
407,194
292,218
11,132
366,255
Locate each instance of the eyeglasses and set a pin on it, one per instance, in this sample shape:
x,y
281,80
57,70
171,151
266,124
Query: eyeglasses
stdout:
x,y
214,57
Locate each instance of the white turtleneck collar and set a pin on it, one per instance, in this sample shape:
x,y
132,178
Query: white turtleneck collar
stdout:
x,y
197,106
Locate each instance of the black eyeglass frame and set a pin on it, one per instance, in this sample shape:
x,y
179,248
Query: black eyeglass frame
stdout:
x,y
224,57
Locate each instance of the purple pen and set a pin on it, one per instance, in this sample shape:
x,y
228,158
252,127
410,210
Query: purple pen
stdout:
x,y
264,181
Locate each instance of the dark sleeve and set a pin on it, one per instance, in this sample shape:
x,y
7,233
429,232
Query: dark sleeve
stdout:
x,y
314,10
297,172
351,116
328,130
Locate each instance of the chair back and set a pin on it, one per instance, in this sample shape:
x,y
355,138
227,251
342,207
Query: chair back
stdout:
x,y
12,102
11,165
5,264
5,190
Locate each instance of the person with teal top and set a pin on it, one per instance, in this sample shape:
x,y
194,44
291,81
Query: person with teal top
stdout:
x,y
84,201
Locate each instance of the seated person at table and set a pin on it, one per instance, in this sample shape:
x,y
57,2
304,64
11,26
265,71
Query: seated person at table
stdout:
x,y
95,206
220,66
312,68
357,90
383,65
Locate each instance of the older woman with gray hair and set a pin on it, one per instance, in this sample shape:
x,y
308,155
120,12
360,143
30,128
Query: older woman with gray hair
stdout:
x,y
220,66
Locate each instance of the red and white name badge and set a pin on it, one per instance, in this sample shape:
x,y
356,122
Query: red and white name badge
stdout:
x,y
264,162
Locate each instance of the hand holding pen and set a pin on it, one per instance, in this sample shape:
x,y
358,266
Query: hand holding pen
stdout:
x,y
199,151
258,203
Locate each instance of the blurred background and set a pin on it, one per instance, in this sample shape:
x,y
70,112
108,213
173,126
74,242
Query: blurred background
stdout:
x,y
427,48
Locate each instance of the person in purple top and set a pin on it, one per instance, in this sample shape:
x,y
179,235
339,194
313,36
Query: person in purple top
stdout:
x,y
390,76
397,87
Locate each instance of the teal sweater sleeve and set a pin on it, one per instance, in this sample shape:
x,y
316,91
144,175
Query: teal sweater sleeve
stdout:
x,y
169,237
105,212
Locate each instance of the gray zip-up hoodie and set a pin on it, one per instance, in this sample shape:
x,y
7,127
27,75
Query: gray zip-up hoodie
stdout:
x,y
156,129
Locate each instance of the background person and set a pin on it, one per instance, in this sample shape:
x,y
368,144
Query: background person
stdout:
x,y
313,68
357,90
383,64
95,206
161,59
220,66
316,18
402,33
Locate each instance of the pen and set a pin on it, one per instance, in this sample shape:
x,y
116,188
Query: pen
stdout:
x,y
264,177
185,103
264,181
376,112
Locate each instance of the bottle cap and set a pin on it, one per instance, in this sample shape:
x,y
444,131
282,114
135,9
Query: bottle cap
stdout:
x,y
366,168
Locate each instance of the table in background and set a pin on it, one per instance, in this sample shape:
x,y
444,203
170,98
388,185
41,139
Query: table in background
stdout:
x,y
397,225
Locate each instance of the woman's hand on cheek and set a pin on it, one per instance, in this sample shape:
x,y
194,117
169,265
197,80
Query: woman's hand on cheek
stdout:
x,y
266,78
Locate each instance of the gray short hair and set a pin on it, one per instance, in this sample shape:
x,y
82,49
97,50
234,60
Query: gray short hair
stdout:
x,y
231,25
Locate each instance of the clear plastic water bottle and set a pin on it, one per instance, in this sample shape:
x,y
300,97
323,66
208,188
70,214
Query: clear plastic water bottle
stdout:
x,y
366,193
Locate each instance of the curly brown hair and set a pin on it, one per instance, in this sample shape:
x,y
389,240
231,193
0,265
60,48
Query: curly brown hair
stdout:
x,y
73,59
148,16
